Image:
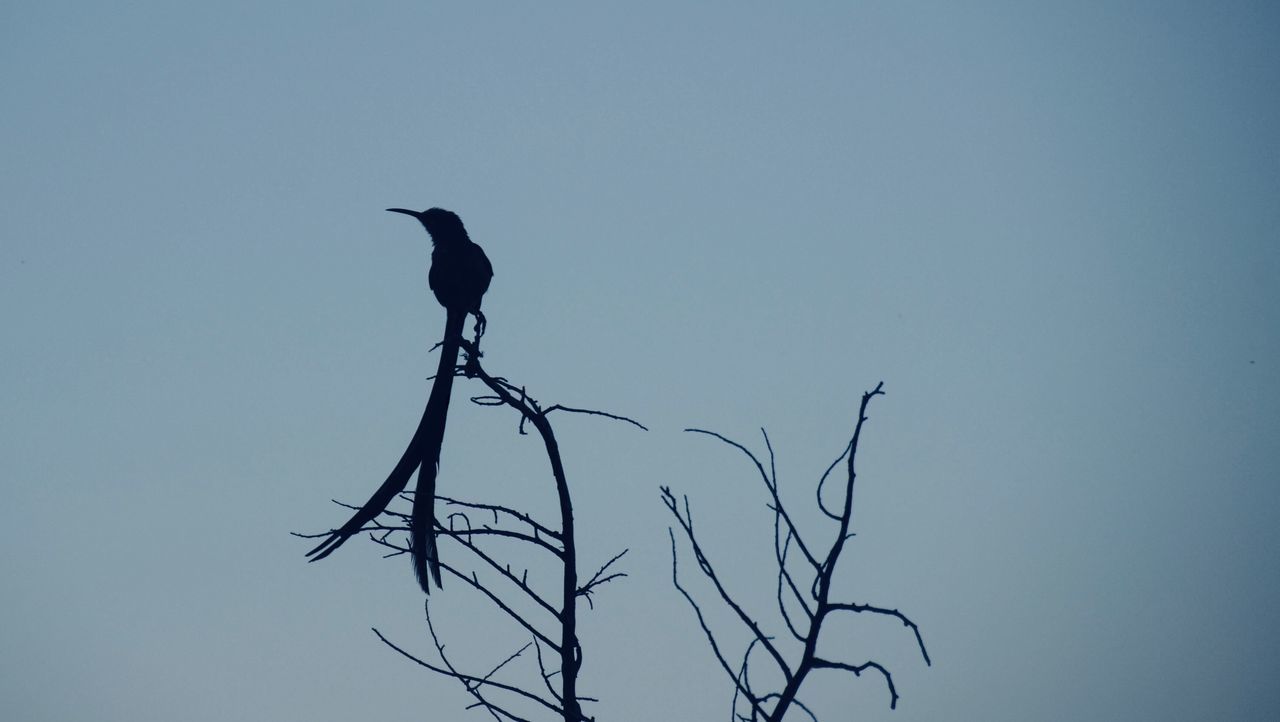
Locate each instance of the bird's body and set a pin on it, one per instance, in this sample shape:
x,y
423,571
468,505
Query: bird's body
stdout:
x,y
459,276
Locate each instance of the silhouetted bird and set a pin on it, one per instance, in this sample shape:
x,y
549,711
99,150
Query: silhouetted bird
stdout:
x,y
459,276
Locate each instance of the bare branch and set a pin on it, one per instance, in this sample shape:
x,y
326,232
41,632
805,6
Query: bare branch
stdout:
x,y
498,509
471,680
711,639
795,702
686,523
615,417
542,672
597,579
858,608
858,669
741,682
490,531
822,505
513,614
785,576
569,648
504,662
773,492
785,534
505,573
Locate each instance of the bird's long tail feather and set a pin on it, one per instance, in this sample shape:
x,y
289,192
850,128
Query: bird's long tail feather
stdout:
x,y
422,538
423,453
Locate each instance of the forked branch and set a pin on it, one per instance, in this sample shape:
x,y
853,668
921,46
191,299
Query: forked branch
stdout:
x,y
803,590
548,619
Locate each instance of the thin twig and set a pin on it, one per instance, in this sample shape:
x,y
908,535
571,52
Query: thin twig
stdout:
x,y
470,679
499,509
686,523
772,491
615,417
711,639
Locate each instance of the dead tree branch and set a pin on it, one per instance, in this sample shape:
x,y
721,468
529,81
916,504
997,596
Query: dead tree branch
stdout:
x,y
803,612
549,620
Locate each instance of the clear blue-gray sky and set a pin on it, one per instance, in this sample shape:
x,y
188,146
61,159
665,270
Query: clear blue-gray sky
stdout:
x,y
1051,229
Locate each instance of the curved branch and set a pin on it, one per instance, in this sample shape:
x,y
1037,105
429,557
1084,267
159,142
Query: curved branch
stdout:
x,y
822,505
773,492
858,608
857,670
615,417
784,575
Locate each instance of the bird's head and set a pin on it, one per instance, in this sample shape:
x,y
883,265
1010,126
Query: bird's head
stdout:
x,y
444,226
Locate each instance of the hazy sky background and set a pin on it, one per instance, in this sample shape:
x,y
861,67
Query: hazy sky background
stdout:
x,y
1050,229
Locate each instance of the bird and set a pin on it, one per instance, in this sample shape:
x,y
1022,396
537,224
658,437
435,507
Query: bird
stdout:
x,y
459,277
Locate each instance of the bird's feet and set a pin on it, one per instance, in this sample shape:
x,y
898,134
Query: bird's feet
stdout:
x,y
481,324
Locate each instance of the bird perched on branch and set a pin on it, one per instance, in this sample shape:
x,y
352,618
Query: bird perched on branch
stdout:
x,y
459,276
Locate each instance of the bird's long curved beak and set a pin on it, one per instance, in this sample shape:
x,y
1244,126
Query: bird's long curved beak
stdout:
x,y
405,211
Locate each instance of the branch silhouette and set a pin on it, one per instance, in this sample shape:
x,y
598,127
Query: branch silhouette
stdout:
x,y
498,543
804,603
550,622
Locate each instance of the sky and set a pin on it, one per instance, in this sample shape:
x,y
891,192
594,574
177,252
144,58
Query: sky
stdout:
x,y
1050,229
